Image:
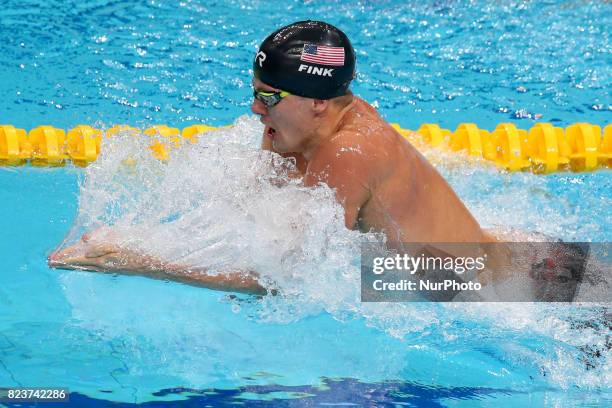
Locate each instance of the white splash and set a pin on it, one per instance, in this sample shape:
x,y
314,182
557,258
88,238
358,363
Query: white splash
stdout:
x,y
223,203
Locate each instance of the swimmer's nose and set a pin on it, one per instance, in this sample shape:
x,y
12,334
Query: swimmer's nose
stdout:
x,y
258,108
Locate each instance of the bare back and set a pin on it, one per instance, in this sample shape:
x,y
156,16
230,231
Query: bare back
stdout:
x,y
394,188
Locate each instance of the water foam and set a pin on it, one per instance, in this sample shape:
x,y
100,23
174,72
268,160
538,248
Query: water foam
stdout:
x,y
223,203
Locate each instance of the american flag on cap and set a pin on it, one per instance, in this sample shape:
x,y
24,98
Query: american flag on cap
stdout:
x,y
322,54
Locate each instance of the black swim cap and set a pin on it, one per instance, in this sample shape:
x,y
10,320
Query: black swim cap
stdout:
x,y
308,58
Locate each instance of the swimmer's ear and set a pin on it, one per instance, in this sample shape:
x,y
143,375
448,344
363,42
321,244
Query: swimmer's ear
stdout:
x,y
319,106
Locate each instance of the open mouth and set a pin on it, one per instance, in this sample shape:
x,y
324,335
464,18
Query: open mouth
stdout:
x,y
270,132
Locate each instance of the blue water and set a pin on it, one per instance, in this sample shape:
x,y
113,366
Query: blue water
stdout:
x,y
145,62
138,341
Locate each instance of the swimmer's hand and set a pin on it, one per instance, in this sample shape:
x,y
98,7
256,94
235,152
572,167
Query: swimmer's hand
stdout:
x,y
97,255
96,252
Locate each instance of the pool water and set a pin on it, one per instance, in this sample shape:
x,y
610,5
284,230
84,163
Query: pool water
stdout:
x,y
138,341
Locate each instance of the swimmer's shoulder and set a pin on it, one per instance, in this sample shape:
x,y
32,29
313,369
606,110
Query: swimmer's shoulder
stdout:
x,y
363,119
348,155
363,106
360,113
358,136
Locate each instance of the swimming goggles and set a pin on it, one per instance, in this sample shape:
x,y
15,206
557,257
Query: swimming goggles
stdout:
x,y
269,99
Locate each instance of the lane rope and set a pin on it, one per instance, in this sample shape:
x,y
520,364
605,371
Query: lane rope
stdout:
x,y
542,149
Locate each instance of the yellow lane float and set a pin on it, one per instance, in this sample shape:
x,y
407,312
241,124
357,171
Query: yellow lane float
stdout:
x,y
170,138
15,148
477,142
404,132
83,144
433,134
115,130
191,133
584,141
510,145
48,146
547,148
605,155
542,149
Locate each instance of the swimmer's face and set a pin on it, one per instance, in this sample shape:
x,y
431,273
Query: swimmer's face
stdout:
x,y
289,124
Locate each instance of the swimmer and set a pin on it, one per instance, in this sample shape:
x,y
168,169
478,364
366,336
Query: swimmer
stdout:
x,y
302,74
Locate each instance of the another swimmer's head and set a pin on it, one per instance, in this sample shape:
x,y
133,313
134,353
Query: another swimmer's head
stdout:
x,y
312,59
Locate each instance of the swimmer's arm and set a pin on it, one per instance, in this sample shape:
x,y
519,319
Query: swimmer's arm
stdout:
x,y
108,258
346,171
234,281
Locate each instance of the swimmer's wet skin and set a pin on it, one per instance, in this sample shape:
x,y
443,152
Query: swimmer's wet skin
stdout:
x,y
346,144
96,252
302,74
